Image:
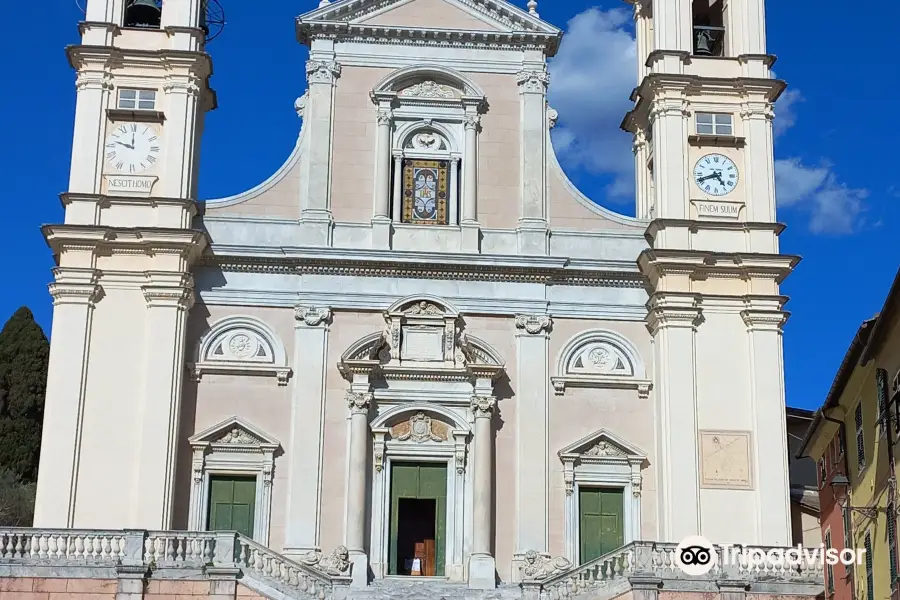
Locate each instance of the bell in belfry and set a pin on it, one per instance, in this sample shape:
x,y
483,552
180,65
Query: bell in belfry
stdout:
x,y
704,43
143,13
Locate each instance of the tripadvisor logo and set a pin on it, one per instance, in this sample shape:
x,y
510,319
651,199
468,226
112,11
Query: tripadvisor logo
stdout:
x,y
696,555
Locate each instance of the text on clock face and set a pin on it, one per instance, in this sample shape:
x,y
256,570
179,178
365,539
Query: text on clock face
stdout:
x,y
716,174
132,147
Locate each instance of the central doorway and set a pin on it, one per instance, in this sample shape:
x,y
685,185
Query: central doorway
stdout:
x,y
418,519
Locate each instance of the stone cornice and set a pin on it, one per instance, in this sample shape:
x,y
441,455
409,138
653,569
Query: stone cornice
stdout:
x,y
467,267
704,265
172,60
187,243
695,225
674,309
417,36
105,200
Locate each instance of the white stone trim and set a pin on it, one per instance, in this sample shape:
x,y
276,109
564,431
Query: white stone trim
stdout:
x,y
292,161
458,521
215,454
469,87
632,376
617,465
553,165
271,362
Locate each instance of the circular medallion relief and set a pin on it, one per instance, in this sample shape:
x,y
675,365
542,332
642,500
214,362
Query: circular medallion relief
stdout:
x,y
602,359
241,345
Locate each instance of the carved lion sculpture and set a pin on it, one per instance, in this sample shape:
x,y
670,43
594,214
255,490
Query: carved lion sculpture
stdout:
x,y
538,567
337,563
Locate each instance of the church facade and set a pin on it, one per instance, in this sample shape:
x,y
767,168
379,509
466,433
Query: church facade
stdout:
x,y
417,339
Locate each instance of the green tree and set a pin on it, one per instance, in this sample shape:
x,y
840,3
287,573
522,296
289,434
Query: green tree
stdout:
x,y
24,354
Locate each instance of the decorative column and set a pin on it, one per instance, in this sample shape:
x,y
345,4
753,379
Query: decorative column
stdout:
x,y
169,297
669,118
182,100
482,568
315,191
532,229
532,443
75,293
304,497
642,185
765,321
673,320
454,191
93,87
359,404
398,189
674,29
759,165
470,227
381,217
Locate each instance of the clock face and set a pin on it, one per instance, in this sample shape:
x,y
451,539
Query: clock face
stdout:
x,y
132,147
715,174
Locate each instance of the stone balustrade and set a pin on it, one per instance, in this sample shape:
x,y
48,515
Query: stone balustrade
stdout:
x,y
655,563
109,554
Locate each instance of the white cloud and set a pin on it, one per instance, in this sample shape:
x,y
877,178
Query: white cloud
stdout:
x,y
785,115
592,77
833,206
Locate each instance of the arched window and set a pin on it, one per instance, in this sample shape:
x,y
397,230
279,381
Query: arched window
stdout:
x,y
241,346
428,120
426,176
600,359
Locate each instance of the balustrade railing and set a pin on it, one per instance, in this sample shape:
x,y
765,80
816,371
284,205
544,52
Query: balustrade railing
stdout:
x,y
658,561
314,577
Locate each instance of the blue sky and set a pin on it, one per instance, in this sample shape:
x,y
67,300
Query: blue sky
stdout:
x,y
838,179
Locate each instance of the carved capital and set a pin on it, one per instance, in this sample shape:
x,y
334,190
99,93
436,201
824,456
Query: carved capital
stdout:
x,y
669,107
75,293
385,116
359,402
182,84
312,317
379,458
472,121
460,458
320,71
636,486
640,140
552,117
534,324
765,320
180,297
483,406
300,105
93,80
758,110
533,81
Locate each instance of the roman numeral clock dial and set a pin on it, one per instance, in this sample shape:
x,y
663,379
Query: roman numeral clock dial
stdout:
x,y
132,148
716,174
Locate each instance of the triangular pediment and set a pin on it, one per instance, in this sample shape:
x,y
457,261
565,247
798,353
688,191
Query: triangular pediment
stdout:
x,y
467,15
602,445
233,431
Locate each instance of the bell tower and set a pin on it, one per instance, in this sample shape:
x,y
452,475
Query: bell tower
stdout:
x,y
703,145
122,286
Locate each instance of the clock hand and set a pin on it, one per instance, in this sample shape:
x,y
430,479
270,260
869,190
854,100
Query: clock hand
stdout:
x,y
708,177
126,145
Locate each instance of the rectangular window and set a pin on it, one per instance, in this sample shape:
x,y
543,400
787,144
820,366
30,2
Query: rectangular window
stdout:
x,y
426,185
829,569
870,575
882,395
823,473
714,124
842,443
860,439
892,540
137,99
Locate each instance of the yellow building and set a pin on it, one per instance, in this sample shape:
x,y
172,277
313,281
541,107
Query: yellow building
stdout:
x,y
852,438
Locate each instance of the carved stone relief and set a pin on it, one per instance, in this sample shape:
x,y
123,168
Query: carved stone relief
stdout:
x,y
421,428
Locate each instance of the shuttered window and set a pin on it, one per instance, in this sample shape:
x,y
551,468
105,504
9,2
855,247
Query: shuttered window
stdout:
x,y
892,540
829,568
870,575
881,388
860,439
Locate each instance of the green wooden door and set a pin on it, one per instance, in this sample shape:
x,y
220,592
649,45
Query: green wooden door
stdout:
x,y
232,504
601,522
422,482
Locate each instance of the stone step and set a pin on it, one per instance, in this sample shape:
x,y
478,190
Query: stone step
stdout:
x,y
430,589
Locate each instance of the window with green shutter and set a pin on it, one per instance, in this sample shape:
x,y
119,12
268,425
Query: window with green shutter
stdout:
x,y
829,569
881,388
860,440
892,540
870,575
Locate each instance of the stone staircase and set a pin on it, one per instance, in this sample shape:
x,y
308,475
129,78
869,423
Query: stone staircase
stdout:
x,y
410,588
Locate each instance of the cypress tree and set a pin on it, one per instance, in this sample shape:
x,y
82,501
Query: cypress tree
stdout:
x,y
24,355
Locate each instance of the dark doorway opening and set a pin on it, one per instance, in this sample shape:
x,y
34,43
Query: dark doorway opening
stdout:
x,y
416,535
